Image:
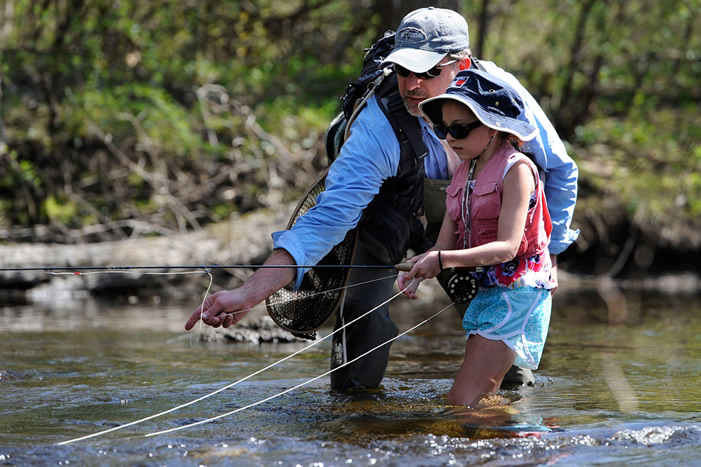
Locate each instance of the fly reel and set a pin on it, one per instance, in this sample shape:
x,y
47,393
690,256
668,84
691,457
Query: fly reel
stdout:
x,y
461,286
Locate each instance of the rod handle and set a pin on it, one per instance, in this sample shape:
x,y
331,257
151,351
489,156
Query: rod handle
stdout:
x,y
406,266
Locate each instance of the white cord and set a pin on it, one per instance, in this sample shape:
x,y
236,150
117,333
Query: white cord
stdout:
x,y
234,383
299,385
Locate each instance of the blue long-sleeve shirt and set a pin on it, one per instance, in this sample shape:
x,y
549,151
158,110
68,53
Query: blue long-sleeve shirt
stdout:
x,y
371,155
560,170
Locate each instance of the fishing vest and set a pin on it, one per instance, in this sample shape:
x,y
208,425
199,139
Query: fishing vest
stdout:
x,y
484,204
434,190
390,224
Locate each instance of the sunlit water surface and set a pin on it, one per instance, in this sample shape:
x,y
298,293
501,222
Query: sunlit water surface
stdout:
x,y
605,393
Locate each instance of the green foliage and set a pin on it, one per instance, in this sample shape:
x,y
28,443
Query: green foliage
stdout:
x,y
180,112
619,80
59,209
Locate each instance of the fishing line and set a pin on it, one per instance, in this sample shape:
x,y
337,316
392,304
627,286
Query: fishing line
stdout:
x,y
201,422
198,266
206,294
170,341
236,382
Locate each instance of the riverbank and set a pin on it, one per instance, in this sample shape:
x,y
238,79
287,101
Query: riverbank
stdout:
x,y
245,239
239,240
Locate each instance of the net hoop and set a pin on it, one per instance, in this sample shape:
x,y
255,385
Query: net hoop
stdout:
x,y
306,309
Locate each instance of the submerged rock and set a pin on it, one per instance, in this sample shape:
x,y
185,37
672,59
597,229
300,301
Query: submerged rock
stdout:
x,y
255,330
7,375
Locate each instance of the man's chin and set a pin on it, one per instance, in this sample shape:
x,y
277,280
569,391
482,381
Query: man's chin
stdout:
x,y
413,109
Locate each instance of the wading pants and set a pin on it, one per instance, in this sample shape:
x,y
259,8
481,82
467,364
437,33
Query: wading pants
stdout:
x,y
366,333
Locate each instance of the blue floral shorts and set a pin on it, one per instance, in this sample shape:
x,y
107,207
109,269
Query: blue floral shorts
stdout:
x,y
518,317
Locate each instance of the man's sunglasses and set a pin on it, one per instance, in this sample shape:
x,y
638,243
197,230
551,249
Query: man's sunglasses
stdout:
x,y
456,131
434,72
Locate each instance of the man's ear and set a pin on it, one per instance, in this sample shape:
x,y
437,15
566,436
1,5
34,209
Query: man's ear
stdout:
x,y
465,64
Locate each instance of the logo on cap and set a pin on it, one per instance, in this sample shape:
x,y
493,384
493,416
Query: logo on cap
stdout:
x,y
411,36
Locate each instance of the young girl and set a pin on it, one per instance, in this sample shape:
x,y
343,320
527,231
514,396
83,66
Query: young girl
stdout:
x,y
497,219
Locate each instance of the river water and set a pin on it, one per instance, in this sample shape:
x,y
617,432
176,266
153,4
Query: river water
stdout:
x,y
618,384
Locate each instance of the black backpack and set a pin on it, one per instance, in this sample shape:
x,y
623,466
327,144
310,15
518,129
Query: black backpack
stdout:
x,y
389,224
358,91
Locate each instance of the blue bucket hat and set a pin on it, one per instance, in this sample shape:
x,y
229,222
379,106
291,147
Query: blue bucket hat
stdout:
x,y
494,102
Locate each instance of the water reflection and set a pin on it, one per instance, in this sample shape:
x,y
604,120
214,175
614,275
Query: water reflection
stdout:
x,y
609,392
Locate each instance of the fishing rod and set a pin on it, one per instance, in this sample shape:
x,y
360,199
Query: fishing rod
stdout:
x,y
400,267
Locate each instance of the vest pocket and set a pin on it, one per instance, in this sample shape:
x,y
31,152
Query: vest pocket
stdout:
x,y
453,201
486,202
488,231
486,206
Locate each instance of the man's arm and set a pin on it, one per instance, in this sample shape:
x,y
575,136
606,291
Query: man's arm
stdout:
x,y
551,156
228,307
369,156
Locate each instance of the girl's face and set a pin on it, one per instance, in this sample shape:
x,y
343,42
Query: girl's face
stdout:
x,y
471,146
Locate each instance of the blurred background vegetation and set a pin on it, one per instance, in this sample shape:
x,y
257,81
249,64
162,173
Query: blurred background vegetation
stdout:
x,y
122,117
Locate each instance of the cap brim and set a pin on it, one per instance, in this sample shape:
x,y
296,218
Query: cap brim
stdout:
x,y
416,60
522,130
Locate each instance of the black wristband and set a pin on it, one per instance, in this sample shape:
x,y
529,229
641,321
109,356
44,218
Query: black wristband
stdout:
x,y
440,261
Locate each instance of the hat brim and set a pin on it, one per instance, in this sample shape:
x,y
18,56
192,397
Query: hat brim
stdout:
x,y
522,130
415,60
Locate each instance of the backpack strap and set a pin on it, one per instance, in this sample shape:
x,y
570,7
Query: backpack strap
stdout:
x,y
476,63
372,87
406,127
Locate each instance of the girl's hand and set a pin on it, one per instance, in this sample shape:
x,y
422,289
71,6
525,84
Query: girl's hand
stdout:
x,y
408,286
426,267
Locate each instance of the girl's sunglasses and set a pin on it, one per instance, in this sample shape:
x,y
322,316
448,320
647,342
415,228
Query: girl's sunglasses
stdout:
x,y
456,131
434,72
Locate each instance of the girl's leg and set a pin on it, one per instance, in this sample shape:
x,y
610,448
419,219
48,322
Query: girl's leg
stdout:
x,y
485,364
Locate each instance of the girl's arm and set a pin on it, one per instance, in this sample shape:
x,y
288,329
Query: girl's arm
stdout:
x,y
428,264
447,237
518,186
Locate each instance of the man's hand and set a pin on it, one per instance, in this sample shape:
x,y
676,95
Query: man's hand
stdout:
x,y
408,286
224,308
228,307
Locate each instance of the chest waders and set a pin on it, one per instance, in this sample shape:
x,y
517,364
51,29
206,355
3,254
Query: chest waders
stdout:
x,y
389,226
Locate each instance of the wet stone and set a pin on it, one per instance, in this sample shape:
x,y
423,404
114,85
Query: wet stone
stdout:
x,y
258,330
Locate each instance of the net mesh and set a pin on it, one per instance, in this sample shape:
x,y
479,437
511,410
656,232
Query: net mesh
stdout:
x,y
306,309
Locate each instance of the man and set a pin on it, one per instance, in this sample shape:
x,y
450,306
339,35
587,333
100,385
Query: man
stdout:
x,y
373,178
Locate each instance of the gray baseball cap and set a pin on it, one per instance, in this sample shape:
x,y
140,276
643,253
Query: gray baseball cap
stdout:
x,y
427,35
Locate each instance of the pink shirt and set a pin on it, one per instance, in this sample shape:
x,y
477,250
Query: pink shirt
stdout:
x,y
481,210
